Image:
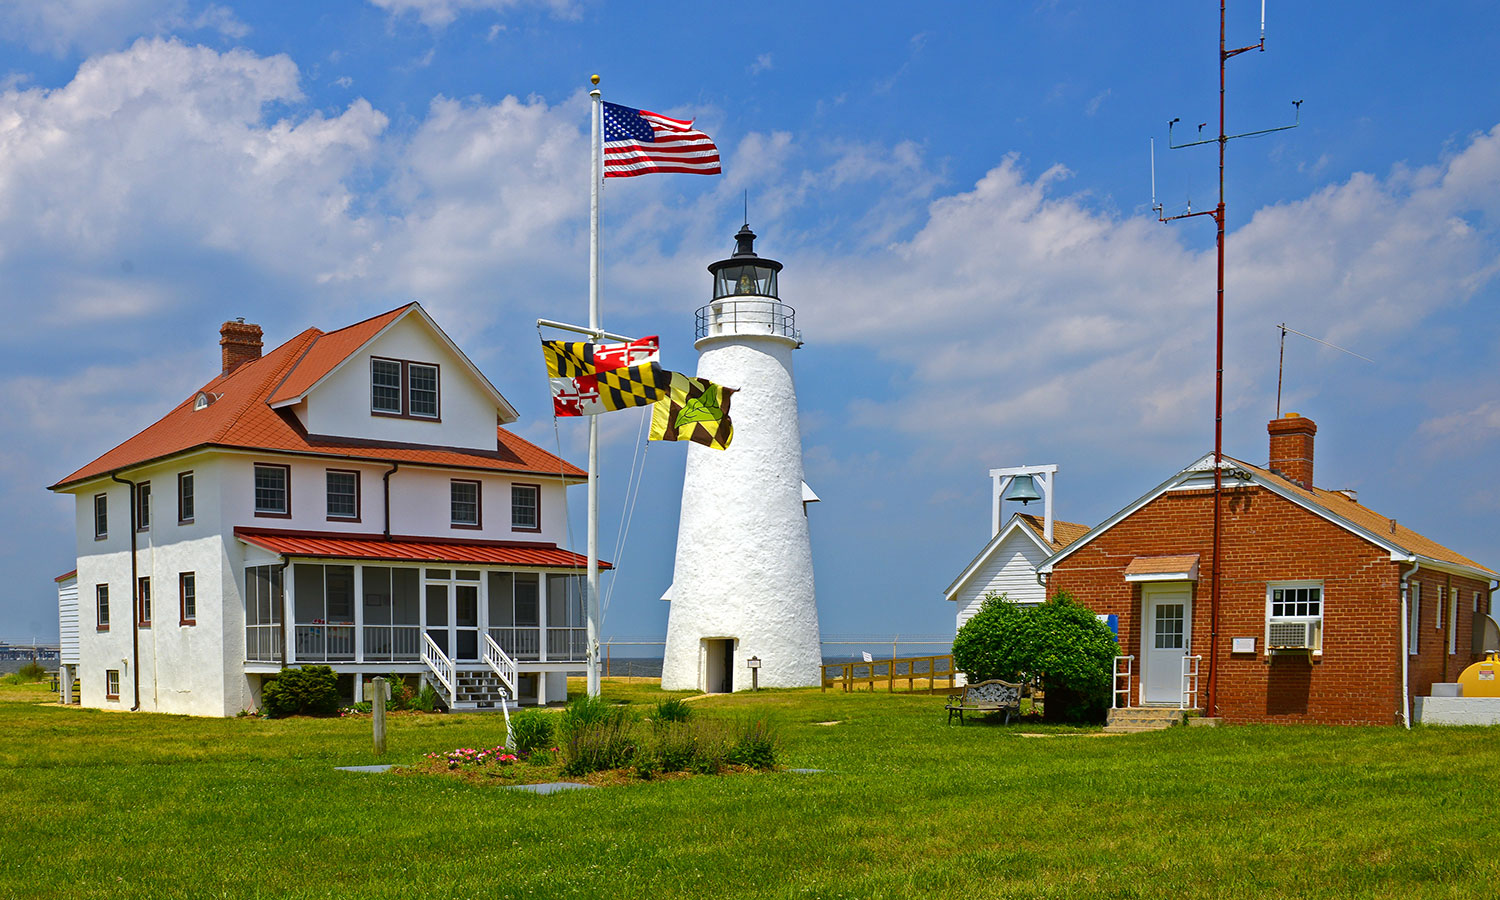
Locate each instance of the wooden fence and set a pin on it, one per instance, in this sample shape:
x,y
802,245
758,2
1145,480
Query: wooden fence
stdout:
x,y
922,674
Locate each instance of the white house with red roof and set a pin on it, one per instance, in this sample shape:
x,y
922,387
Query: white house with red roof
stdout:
x,y
350,498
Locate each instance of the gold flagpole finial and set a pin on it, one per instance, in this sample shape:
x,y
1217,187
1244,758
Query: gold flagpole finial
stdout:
x,y
593,79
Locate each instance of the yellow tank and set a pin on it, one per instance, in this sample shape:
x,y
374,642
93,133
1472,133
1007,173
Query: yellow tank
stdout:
x,y
1482,679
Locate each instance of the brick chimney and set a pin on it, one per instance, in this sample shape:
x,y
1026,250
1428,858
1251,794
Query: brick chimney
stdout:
x,y
1292,448
240,343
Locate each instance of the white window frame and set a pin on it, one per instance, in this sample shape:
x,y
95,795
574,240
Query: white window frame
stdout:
x,y
1452,621
1273,586
1413,616
400,387
111,684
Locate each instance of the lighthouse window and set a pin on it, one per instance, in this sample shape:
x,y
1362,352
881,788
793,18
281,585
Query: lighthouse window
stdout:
x,y
736,281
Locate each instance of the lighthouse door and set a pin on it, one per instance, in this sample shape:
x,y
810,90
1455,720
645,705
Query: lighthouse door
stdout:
x,y
718,674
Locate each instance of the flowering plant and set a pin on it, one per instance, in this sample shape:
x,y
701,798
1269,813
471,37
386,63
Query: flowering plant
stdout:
x,y
468,756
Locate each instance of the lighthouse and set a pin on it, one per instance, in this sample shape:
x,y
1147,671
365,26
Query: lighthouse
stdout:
x,y
742,596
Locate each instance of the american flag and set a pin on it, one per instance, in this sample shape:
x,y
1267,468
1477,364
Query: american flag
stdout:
x,y
639,142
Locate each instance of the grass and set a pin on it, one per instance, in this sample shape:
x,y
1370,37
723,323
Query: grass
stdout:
x,y
133,805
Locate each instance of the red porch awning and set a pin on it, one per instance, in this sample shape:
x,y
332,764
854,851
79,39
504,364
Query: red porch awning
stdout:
x,y
334,545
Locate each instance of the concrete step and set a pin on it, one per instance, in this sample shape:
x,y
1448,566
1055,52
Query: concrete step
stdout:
x,y
1143,718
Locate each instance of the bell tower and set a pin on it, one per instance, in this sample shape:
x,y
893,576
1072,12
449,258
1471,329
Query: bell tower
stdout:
x,y
742,586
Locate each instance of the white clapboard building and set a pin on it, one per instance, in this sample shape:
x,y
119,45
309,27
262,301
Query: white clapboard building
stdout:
x,y
350,498
1008,562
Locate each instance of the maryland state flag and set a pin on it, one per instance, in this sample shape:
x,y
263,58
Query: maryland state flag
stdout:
x,y
589,378
694,409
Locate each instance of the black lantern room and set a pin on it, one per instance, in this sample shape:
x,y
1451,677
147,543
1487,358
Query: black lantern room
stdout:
x,y
744,274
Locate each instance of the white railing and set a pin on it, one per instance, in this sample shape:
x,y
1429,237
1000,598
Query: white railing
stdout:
x,y
1189,682
567,644
441,666
519,643
501,664
392,642
324,642
1126,672
263,643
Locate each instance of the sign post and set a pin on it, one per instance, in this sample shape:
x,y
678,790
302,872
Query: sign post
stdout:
x,y
754,665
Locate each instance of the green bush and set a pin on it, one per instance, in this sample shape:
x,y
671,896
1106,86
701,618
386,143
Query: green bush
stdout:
x,y
672,710
32,671
309,690
401,694
1060,643
756,744
426,700
532,730
596,735
674,747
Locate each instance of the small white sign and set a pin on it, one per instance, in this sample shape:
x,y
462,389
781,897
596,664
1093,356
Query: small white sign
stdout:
x,y
1243,645
753,662
867,657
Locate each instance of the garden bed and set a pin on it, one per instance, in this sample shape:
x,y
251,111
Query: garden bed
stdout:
x,y
498,767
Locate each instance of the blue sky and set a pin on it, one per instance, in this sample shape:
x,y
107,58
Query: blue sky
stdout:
x,y
960,194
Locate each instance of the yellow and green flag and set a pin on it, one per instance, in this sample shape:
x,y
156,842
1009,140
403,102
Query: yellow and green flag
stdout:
x,y
694,409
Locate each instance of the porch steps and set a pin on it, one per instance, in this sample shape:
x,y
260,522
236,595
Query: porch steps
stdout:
x,y
1143,718
479,690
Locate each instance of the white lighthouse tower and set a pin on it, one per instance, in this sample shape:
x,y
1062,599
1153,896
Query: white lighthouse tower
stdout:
x,y
742,590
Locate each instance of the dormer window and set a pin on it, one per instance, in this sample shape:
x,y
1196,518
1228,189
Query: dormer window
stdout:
x,y
201,401
403,388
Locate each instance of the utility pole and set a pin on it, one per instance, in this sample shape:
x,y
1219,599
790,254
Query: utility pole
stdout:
x,y
1225,54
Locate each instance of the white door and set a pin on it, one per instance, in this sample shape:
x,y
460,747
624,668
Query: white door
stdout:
x,y
1166,639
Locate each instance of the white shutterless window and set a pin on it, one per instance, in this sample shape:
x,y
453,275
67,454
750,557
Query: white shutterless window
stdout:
x,y
1452,621
1413,616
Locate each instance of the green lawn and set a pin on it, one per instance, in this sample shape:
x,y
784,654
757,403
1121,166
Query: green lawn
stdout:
x,y
119,805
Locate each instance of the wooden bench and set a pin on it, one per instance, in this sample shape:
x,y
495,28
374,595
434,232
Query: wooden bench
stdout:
x,y
985,697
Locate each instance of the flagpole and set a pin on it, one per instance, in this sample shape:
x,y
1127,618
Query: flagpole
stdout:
x,y
596,175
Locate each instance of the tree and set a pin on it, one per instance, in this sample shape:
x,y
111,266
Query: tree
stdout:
x,y
1060,643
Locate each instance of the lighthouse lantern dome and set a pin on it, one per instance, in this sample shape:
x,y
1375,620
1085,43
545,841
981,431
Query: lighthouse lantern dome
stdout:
x,y
745,274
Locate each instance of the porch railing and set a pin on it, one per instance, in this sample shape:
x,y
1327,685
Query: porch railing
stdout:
x,y
501,664
1189,682
263,643
518,643
441,666
392,642
1124,668
334,642
567,644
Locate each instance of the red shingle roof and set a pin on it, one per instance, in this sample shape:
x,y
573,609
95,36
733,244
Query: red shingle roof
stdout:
x,y
327,351
241,417
412,549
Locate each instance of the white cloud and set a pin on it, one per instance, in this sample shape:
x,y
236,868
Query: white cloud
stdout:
x,y
439,13
88,26
762,64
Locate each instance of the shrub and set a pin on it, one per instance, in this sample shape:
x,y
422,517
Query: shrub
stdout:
x,y
583,711
1061,643
598,745
673,710
674,747
426,700
532,730
401,695
32,671
596,735
309,690
756,744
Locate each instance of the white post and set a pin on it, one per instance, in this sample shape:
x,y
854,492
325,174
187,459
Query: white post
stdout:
x,y
596,176
1047,507
359,619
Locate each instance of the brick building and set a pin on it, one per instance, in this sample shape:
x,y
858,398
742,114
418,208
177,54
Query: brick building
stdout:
x,y
1325,607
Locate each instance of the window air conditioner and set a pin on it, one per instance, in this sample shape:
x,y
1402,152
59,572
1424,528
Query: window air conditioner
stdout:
x,y
1292,636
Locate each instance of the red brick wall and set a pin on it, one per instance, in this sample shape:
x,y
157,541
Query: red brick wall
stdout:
x,y
1432,661
1266,538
